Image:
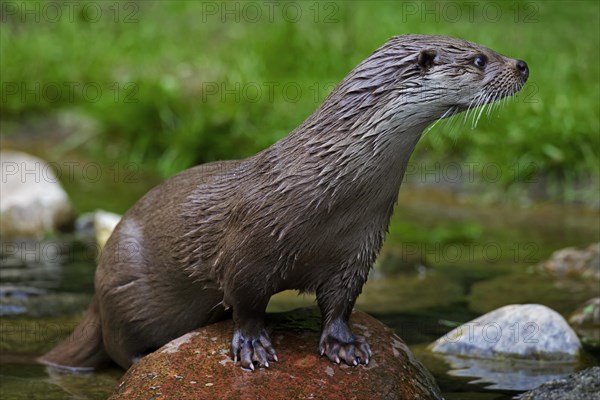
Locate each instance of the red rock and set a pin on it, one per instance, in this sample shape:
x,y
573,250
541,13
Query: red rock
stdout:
x,y
198,366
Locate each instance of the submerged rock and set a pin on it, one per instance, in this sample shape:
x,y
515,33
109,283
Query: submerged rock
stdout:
x,y
198,366
14,299
26,262
32,201
584,385
44,305
30,269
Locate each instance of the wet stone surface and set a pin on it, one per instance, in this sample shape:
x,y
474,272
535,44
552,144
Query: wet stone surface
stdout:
x,y
520,331
516,347
586,322
585,385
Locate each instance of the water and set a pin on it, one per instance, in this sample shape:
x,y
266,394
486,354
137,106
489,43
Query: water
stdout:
x,y
465,259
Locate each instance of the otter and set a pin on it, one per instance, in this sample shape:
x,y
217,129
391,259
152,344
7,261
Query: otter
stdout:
x,y
310,213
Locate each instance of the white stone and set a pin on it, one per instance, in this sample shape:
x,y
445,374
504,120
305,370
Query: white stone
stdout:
x,y
32,200
104,224
521,331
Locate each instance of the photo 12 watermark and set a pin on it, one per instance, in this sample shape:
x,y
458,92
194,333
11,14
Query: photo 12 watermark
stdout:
x,y
453,172
68,172
269,91
492,332
253,12
469,11
69,11
472,251
69,92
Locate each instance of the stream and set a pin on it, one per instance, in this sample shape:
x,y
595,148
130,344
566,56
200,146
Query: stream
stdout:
x,y
446,261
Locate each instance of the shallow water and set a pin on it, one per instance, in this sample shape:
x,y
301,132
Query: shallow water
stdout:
x,y
462,259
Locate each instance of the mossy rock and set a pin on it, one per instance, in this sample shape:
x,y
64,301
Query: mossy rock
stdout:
x,y
522,288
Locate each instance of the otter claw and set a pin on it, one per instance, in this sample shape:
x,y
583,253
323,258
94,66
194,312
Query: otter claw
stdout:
x,y
250,368
354,352
252,350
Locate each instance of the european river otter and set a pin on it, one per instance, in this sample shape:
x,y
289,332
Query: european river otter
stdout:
x,y
308,213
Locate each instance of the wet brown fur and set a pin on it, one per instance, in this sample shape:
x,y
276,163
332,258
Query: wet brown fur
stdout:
x,y
308,213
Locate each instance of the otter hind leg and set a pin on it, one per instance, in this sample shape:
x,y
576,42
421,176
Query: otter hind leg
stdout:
x,y
144,327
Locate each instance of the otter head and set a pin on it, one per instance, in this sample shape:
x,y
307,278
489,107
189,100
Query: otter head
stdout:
x,y
455,75
414,80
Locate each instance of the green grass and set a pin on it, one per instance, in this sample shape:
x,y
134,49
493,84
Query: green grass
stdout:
x,y
159,64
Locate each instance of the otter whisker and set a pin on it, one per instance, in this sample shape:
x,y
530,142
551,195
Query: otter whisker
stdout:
x,y
447,113
480,107
494,103
453,124
469,108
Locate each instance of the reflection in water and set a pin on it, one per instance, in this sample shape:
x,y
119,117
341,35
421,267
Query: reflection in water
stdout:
x,y
84,385
20,381
507,374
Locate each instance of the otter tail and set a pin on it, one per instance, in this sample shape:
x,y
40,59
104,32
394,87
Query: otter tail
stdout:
x,y
83,349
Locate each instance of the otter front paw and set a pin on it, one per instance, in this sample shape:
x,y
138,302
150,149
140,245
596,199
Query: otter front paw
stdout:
x,y
338,343
252,349
354,352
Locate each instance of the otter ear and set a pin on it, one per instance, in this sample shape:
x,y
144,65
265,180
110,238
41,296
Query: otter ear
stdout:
x,y
427,58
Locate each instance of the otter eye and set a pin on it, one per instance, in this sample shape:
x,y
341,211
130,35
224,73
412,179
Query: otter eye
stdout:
x,y
480,61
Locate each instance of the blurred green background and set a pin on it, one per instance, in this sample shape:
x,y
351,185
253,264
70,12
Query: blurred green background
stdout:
x,y
171,84
139,90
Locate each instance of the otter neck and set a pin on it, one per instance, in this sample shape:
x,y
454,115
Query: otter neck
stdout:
x,y
358,160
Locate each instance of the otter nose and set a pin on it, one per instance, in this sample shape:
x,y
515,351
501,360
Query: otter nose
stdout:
x,y
523,69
